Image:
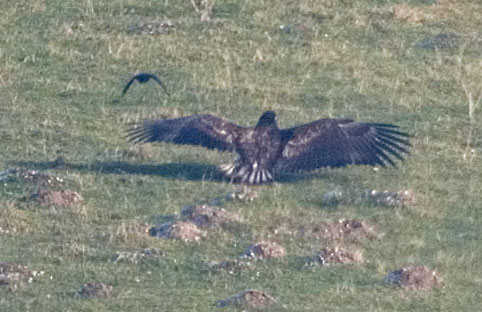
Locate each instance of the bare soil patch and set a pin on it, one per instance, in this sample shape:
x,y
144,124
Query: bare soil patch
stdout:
x,y
414,278
95,290
208,216
264,251
336,255
351,229
248,298
14,275
57,198
183,230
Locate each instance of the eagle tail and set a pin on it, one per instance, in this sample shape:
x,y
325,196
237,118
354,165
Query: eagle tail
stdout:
x,y
247,173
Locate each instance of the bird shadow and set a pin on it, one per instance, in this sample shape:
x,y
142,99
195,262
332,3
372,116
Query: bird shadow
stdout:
x,y
188,171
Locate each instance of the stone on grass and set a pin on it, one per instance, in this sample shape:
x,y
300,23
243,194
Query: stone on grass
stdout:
x,y
414,278
335,255
208,216
264,250
57,198
183,230
95,290
247,299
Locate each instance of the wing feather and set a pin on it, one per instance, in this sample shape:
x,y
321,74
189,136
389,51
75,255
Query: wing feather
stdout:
x,y
205,130
339,142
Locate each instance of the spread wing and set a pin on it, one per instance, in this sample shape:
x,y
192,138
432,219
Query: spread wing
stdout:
x,y
128,85
340,142
159,82
205,130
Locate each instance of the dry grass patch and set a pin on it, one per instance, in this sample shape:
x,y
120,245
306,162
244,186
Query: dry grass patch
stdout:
x,y
58,198
183,230
414,278
248,299
264,250
409,14
95,290
13,221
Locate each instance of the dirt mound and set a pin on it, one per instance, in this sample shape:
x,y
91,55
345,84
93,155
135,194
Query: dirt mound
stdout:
x,y
184,230
208,216
57,198
342,229
335,255
248,298
95,290
414,278
264,250
14,275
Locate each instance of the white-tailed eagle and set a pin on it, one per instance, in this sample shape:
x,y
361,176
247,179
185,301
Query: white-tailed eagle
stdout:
x,y
265,149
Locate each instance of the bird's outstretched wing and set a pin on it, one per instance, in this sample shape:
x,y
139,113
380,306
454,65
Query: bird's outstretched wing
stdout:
x,y
156,79
142,78
128,85
340,142
205,130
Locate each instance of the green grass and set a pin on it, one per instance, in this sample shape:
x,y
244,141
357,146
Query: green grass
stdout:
x,y
62,68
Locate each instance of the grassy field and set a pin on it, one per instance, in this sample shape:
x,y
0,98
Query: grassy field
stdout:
x,y
63,64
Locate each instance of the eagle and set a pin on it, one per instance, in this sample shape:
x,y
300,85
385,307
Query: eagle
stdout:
x,y
143,78
265,150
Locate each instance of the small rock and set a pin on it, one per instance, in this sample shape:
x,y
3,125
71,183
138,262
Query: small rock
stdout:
x,y
184,230
414,278
248,298
264,251
95,290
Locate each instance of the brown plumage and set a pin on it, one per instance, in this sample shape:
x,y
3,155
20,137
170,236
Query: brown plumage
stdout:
x,y
265,149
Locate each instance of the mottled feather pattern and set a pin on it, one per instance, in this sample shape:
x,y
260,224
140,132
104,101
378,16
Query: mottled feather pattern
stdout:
x,y
265,149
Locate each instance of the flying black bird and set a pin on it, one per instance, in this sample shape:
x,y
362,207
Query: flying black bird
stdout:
x,y
143,78
265,149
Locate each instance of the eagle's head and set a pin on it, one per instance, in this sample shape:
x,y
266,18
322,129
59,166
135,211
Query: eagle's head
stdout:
x,y
267,119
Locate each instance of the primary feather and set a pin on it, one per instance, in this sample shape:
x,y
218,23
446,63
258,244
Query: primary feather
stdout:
x,y
265,149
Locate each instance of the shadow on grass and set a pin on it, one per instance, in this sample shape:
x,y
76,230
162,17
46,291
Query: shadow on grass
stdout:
x,y
180,171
